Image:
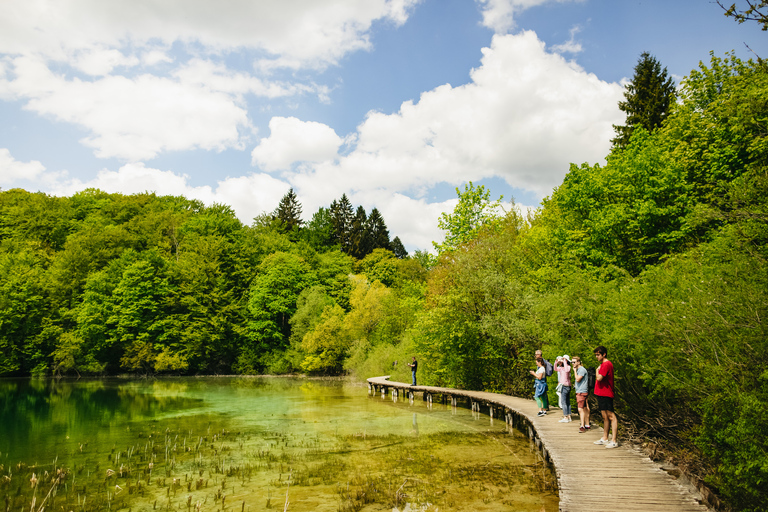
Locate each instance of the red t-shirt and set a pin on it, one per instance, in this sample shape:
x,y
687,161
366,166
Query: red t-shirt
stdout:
x,y
605,387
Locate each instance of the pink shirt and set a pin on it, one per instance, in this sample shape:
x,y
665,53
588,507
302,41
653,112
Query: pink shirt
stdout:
x,y
564,374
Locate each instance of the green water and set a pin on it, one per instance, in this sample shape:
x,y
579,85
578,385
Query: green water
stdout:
x,y
251,444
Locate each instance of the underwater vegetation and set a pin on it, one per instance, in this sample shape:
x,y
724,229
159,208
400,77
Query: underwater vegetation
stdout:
x,y
185,464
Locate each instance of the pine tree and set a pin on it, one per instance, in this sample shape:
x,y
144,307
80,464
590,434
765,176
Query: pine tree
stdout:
x,y
341,215
648,98
377,230
360,240
398,248
288,212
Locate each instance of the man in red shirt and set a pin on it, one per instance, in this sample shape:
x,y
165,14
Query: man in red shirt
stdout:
x,y
604,391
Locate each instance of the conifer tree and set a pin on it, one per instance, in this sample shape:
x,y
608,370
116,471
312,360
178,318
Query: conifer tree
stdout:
x,y
377,230
648,98
288,212
342,215
398,248
360,239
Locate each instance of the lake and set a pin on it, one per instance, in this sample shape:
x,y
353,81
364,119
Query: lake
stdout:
x,y
255,443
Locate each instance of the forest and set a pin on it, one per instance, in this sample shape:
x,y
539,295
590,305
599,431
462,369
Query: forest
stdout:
x,y
659,255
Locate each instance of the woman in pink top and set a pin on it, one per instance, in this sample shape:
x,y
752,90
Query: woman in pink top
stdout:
x,y
563,369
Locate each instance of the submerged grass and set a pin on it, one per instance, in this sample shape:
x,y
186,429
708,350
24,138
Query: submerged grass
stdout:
x,y
180,466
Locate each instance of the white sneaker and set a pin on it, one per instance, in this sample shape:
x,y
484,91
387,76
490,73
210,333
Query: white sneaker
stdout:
x,y
601,441
611,444
564,420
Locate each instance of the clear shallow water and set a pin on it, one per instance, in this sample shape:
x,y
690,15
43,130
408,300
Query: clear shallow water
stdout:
x,y
245,443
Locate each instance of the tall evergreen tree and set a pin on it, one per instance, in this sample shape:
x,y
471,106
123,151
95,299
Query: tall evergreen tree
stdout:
x,y
342,215
288,212
648,98
398,248
360,239
378,232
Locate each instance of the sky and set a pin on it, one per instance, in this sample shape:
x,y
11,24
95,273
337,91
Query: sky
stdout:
x,y
396,103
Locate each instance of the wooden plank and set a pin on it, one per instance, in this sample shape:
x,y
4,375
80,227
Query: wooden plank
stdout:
x,y
590,477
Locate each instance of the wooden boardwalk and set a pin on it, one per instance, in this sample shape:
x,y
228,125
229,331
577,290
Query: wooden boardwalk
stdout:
x,y
590,477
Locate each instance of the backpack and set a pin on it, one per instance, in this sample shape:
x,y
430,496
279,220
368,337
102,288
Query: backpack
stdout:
x,y
548,368
591,378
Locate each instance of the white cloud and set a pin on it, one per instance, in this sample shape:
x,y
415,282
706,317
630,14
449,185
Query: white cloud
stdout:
x,y
570,46
292,140
93,63
132,118
99,61
307,32
526,115
499,15
12,171
247,195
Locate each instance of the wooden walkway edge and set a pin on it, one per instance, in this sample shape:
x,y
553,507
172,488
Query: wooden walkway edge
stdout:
x,y
590,477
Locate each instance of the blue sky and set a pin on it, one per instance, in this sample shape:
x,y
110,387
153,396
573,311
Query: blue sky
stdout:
x,y
393,102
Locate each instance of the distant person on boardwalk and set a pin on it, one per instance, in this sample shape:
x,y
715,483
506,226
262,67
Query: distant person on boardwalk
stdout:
x,y
563,369
414,365
540,386
548,368
582,393
604,391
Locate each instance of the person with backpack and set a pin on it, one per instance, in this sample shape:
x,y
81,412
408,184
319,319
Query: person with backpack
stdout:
x,y
540,387
605,392
582,393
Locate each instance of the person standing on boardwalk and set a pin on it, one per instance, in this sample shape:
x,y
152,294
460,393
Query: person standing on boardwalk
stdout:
x,y
540,386
604,391
563,369
548,369
582,393
414,365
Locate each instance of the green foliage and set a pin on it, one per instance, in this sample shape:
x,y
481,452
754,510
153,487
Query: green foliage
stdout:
x,y
474,212
318,232
659,255
22,307
473,327
630,213
342,217
272,302
327,344
648,98
755,11
377,231
288,213
100,283
398,248
380,265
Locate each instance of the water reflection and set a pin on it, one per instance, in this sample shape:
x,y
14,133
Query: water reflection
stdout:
x,y
244,443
